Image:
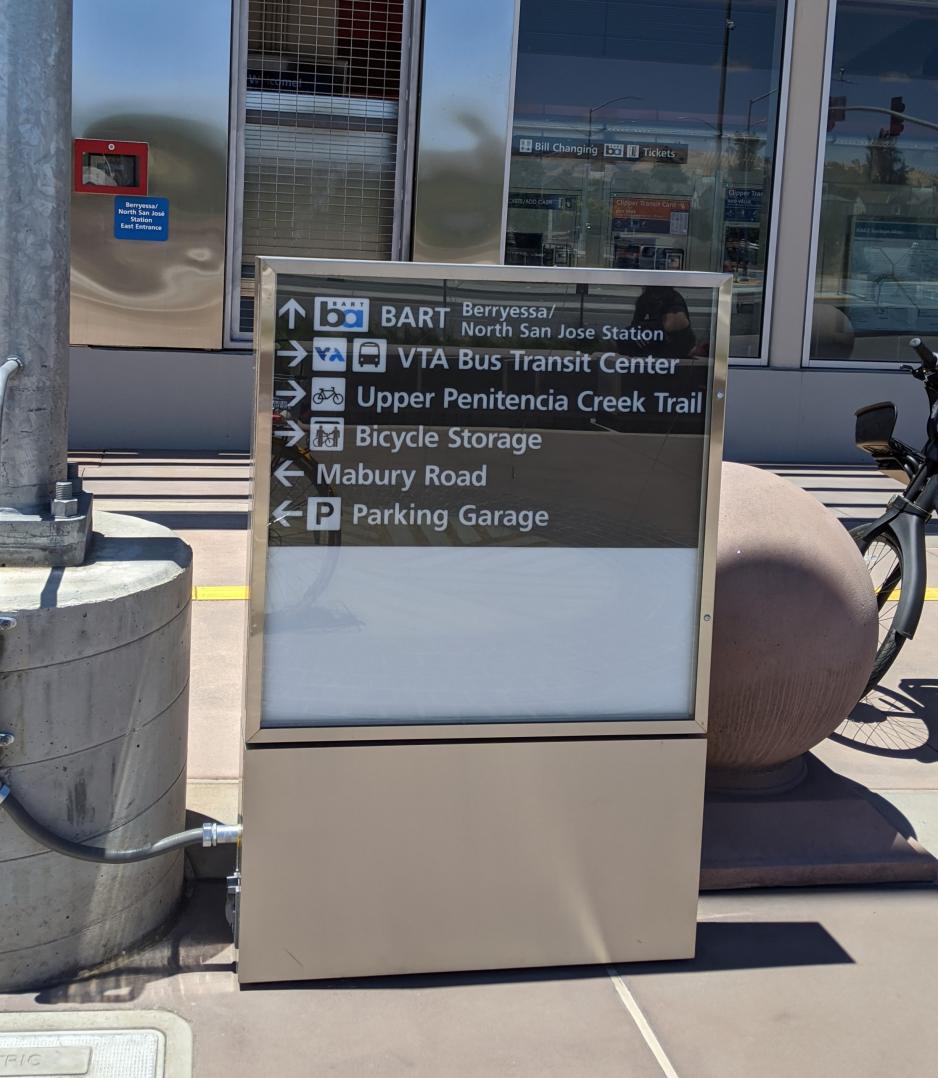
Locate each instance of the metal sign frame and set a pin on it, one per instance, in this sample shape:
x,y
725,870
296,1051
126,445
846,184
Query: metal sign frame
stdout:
x,y
267,272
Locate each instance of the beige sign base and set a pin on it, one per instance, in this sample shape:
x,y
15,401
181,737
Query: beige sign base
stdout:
x,y
364,859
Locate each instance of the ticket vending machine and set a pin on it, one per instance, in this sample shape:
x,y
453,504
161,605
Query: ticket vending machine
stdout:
x,y
482,572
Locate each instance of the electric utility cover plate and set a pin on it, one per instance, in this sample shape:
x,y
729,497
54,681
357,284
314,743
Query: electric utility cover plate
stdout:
x,y
97,1044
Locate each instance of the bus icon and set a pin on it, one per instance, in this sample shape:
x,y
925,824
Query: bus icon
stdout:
x,y
370,355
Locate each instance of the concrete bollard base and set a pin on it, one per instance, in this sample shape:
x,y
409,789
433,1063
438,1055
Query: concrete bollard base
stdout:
x,y
94,689
826,830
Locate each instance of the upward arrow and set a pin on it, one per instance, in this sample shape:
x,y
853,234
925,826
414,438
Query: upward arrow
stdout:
x,y
291,309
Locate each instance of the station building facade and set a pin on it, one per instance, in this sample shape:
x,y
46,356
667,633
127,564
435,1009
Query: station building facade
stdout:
x,y
791,143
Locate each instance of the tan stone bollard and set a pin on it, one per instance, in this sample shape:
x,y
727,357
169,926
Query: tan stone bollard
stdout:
x,y
795,626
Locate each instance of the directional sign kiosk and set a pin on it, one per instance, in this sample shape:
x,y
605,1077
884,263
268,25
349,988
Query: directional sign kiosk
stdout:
x,y
481,589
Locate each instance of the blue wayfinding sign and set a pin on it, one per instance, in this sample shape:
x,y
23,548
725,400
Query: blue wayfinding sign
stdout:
x,y
141,218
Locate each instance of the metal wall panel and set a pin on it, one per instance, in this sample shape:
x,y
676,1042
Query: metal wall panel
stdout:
x,y
157,74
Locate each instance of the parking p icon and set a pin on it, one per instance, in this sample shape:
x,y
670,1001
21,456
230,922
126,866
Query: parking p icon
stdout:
x,y
323,514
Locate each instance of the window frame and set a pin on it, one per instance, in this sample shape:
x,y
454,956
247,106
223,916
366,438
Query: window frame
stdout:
x,y
806,359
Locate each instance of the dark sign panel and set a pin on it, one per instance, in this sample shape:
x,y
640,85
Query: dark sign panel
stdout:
x,y
466,414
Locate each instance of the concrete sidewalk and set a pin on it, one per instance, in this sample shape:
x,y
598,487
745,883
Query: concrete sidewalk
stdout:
x,y
798,983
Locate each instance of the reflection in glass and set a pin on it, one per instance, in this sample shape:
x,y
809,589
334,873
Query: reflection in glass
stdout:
x,y
109,169
644,137
877,264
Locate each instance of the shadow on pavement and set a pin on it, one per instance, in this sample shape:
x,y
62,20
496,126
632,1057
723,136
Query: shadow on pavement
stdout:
x,y
720,946
900,723
199,941
192,942
195,520
729,945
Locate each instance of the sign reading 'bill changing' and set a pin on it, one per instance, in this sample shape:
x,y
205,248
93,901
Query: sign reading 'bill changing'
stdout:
x,y
488,488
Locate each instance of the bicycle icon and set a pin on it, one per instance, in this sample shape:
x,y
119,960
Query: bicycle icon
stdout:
x,y
328,393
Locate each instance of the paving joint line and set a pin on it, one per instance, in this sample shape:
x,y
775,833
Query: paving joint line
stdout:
x,y
644,1026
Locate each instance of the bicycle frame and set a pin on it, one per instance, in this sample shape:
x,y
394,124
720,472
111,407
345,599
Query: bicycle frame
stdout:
x,y
909,512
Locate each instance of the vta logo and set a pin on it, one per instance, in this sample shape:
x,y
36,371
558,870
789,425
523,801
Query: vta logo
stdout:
x,y
330,354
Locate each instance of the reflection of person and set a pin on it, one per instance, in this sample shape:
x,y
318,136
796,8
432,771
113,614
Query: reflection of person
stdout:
x,y
661,307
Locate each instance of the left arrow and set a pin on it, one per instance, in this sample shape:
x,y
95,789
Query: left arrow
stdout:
x,y
291,309
284,470
295,433
283,511
297,353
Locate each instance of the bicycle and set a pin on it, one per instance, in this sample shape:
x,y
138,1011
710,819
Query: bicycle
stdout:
x,y
894,545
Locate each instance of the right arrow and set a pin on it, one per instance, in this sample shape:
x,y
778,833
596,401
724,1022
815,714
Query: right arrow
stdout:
x,y
297,353
284,470
283,511
291,309
298,394
294,434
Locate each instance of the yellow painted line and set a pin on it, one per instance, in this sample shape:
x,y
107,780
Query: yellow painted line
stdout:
x,y
239,593
931,595
220,592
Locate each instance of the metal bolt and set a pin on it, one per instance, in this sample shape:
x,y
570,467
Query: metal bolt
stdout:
x,y
706,617
7,623
6,739
64,504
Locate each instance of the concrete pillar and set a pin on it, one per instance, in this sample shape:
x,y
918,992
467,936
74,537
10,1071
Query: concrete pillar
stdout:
x,y
35,181
94,687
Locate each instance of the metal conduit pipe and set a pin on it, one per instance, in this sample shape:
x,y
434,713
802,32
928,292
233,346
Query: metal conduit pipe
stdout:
x,y
209,834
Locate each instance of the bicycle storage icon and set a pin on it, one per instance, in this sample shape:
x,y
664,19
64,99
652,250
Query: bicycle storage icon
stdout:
x,y
326,434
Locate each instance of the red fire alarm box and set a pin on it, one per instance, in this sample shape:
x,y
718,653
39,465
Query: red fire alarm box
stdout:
x,y
106,167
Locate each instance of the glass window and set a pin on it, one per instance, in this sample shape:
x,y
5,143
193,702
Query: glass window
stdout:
x,y
877,264
644,136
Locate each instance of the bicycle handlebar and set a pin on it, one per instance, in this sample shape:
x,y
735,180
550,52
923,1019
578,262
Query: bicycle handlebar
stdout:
x,y
924,353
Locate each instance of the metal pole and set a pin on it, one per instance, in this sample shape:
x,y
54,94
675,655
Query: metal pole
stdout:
x,y
35,173
718,190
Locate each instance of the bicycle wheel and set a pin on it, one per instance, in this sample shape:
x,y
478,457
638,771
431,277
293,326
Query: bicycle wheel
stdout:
x,y
883,557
